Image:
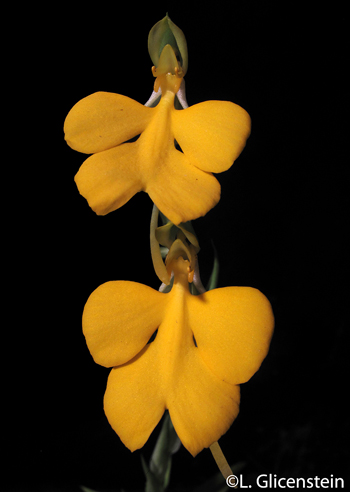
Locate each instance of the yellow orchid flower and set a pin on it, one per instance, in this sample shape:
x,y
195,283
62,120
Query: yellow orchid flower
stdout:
x,y
211,135
205,346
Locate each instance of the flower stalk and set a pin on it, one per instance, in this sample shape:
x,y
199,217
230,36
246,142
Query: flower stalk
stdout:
x,y
220,460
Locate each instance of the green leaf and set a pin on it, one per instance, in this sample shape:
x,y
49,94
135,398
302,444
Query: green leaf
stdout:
x,y
214,277
158,472
152,482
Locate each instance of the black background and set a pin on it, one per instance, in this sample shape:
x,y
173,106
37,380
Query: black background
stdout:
x,y
280,226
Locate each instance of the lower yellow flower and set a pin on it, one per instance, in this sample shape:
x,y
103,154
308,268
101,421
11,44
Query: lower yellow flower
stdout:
x,y
205,346
211,135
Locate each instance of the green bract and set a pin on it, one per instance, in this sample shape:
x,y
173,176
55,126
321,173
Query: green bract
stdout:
x,y
163,33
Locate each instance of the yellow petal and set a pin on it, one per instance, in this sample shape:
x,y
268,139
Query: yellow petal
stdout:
x,y
212,134
133,401
119,318
109,179
181,191
202,406
104,120
233,328
170,373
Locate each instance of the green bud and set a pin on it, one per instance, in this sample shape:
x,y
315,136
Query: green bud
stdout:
x,y
165,32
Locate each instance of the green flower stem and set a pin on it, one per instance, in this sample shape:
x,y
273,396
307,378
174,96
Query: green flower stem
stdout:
x,y
220,459
157,260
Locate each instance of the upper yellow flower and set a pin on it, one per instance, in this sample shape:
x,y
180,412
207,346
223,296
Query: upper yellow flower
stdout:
x,y
205,346
211,135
